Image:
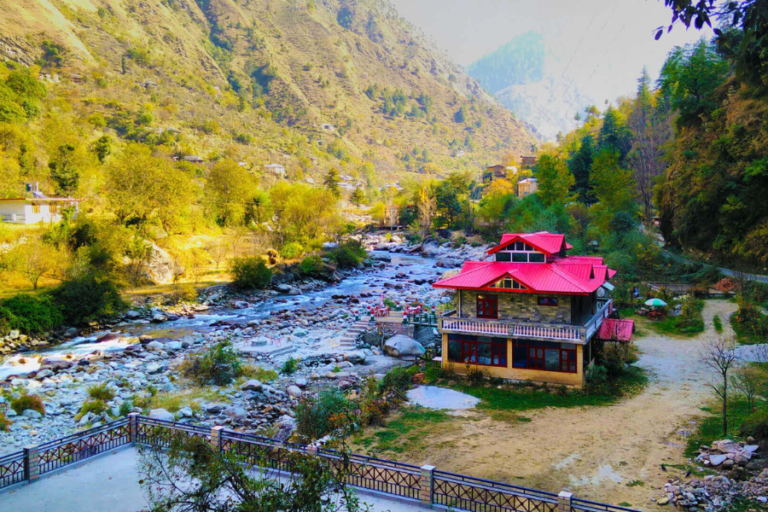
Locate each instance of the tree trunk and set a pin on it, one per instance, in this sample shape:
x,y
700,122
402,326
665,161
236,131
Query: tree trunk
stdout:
x,y
725,409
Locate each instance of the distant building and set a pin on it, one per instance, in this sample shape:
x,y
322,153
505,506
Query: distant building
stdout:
x,y
391,216
498,172
328,127
527,187
276,169
527,161
193,159
35,209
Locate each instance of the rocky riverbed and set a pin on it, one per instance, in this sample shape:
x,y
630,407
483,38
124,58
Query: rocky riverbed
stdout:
x,y
315,322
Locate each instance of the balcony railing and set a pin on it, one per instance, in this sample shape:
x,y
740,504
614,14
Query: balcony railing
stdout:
x,y
520,329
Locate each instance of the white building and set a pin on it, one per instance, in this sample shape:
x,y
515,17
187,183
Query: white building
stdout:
x,y
36,209
527,187
276,169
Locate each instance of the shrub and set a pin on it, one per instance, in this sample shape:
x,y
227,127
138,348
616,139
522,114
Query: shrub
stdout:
x,y
755,425
220,364
24,402
292,250
612,358
717,323
101,392
290,366
475,377
87,298
126,408
32,314
397,380
314,266
597,374
5,423
349,254
93,405
318,417
250,273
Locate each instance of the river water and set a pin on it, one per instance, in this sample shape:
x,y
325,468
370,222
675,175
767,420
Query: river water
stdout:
x,y
402,270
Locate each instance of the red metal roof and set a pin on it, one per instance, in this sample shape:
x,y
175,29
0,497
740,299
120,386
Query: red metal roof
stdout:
x,y
544,241
578,275
614,329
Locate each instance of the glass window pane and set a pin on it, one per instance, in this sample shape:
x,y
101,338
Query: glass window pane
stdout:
x,y
536,257
503,256
552,360
519,257
520,357
519,246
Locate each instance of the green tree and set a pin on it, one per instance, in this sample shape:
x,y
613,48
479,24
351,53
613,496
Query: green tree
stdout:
x,y
461,115
141,189
581,166
102,147
64,171
331,181
230,188
690,76
555,181
614,189
614,134
303,214
358,196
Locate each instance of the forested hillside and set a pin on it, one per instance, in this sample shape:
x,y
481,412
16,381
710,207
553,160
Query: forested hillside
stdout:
x,y
306,84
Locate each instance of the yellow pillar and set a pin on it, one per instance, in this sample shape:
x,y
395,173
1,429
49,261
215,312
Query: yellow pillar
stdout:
x,y
510,341
445,351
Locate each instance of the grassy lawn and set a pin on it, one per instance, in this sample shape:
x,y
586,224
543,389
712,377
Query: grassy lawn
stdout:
x,y
404,433
711,426
529,396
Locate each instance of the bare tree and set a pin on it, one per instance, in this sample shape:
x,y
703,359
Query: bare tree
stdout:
x,y
721,355
426,206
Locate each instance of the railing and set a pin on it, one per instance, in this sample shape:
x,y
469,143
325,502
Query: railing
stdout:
x,y
554,332
477,494
424,484
422,319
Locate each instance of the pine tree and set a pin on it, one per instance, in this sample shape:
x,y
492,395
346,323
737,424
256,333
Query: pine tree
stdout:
x,y
581,166
555,181
332,181
614,135
358,196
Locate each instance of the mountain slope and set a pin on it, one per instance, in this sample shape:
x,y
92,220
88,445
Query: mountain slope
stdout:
x,y
257,80
524,76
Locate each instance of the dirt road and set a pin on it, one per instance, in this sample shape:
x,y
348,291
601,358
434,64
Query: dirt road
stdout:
x,y
612,454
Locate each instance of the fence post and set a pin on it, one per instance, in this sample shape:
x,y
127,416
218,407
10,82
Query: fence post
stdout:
x,y
31,463
216,438
312,450
564,501
426,485
134,426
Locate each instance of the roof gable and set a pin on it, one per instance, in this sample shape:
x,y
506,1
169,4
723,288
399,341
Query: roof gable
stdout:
x,y
544,241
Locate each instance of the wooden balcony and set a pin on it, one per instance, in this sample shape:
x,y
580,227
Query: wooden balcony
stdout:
x,y
578,334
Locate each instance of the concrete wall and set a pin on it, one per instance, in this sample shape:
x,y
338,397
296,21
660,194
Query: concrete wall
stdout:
x,y
520,306
24,212
569,379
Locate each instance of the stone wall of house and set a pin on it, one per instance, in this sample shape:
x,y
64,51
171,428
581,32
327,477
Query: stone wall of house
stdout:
x,y
520,306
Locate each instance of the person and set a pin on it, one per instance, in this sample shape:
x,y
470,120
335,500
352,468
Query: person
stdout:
x,y
635,292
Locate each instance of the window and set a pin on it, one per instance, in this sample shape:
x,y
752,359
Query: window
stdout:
x,y
503,256
536,257
35,208
548,301
53,209
507,284
487,306
547,356
479,350
519,257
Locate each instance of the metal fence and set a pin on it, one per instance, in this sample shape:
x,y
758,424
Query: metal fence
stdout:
x,y
424,484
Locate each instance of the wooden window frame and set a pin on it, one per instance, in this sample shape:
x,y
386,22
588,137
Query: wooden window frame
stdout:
x,y
549,301
536,356
469,350
488,305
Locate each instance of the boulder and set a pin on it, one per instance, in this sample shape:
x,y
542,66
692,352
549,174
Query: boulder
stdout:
x,y
186,412
31,414
301,382
161,414
251,385
401,346
161,267
294,391
356,357
154,346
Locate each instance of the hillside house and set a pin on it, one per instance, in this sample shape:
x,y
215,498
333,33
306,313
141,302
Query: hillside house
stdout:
x,y
532,313
527,187
527,161
36,209
193,159
276,169
498,172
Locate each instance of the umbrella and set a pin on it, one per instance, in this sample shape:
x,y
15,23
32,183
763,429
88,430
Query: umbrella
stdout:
x,y
655,303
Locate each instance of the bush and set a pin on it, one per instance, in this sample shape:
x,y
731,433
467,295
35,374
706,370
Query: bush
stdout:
x,y
31,314
597,374
397,380
5,423
318,417
101,392
717,323
613,360
290,366
24,402
93,405
475,377
85,299
126,408
349,254
314,266
756,425
219,365
292,250
250,273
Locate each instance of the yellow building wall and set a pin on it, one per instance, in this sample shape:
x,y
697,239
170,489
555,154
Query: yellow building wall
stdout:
x,y
569,379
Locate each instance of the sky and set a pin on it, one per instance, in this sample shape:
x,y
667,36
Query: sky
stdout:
x,y
600,46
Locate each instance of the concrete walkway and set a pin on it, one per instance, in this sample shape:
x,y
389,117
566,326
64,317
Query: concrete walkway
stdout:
x,y
111,483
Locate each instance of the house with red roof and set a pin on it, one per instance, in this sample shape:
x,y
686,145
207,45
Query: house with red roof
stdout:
x,y
530,311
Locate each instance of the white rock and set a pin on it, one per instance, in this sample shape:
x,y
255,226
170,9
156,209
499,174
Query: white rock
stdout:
x,y
161,414
294,391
